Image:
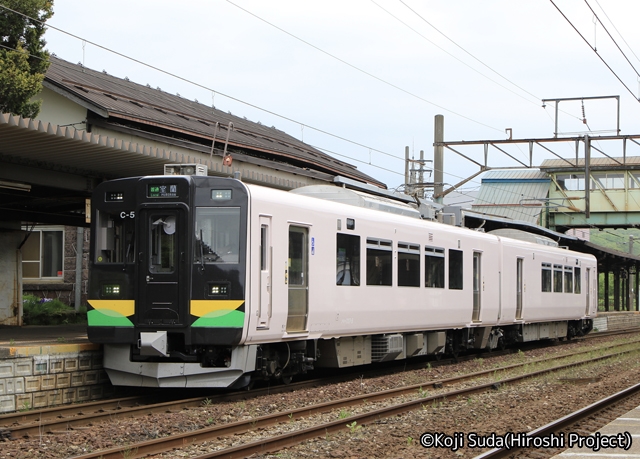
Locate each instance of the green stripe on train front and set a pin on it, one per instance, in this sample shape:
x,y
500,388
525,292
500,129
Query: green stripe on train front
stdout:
x,y
107,318
221,319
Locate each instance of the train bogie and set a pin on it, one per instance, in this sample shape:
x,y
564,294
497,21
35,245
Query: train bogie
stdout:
x,y
218,282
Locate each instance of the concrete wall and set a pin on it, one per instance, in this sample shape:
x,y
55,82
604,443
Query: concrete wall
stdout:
x,y
45,376
10,277
610,321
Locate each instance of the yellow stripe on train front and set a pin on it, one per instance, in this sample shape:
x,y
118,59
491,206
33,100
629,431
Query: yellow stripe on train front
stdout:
x,y
200,308
124,307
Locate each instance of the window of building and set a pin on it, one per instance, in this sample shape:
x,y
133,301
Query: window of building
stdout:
x,y
557,278
455,269
570,182
568,279
433,267
379,262
607,180
347,259
43,254
546,277
408,264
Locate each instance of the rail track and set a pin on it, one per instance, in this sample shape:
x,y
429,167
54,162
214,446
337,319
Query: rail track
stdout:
x,y
63,418
393,398
587,419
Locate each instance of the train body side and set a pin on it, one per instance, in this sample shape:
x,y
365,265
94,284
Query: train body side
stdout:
x,y
218,282
350,310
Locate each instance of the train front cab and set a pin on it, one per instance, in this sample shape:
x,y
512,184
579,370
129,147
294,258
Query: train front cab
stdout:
x,y
167,281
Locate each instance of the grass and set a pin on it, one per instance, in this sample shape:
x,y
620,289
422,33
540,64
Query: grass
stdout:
x,y
44,311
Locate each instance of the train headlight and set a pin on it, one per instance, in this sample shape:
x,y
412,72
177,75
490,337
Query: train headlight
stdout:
x,y
218,289
111,290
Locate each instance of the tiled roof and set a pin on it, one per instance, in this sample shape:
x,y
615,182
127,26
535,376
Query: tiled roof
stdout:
x,y
115,98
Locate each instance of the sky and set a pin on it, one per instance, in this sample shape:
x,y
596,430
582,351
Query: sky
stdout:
x,y
363,79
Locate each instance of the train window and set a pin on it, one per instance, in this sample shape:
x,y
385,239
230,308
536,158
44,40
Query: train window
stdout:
x,y
264,247
115,242
576,282
455,269
347,259
433,267
568,279
163,242
557,278
217,235
379,262
297,256
408,265
546,277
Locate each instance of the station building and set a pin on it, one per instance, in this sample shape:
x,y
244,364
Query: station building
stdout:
x,y
94,126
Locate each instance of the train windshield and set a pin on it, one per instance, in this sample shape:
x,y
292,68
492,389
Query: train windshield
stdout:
x,y
217,235
115,241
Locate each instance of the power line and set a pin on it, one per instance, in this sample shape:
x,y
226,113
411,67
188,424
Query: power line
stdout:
x,y
456,58
614,26
612,39
467,52
595,51
210,89
359,69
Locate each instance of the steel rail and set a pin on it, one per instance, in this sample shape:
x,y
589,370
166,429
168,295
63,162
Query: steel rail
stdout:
x,y
165,444
566,421
54,420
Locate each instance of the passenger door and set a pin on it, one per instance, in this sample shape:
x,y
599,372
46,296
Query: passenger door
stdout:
x,y
519,287
298,280
588,287
266,253
477,286
161,263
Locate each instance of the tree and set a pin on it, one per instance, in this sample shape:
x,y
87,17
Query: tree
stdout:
x,y
23,59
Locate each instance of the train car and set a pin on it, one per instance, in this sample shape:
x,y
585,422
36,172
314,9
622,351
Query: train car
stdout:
x,y
200,281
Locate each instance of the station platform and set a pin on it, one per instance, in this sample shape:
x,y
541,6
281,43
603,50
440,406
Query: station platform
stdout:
x,y
73,333
42,340
42,366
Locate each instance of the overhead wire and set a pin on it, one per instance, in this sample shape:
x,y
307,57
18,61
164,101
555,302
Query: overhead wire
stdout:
x,y
455,57
241,101
467,52
594,50
616,29
270,112
612,39
362,70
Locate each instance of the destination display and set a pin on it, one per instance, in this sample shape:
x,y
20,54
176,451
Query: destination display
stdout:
x,y
162,191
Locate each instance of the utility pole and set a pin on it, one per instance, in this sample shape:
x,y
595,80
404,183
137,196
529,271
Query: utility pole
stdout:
x,y
438,158
631,281
414,175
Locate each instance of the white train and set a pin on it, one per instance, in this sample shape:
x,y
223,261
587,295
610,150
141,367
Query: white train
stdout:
x,y
211,282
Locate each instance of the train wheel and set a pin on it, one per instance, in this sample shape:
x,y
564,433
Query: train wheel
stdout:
x,y
286,379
